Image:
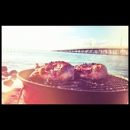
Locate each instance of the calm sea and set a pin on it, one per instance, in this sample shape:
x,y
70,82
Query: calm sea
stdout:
x,y
23,59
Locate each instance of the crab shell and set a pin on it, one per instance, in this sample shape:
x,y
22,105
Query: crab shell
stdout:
x,y
55,71
91,71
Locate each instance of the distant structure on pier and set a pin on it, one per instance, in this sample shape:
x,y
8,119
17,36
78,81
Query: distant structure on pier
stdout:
x,y
120,51
121,42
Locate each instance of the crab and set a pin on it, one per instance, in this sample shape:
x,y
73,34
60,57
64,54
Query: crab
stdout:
x,y
54,71
91,71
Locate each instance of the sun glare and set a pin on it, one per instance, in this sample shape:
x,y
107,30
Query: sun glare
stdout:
x,y
58,37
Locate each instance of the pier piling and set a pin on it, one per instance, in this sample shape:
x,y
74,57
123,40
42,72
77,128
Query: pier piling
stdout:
x,y
121,51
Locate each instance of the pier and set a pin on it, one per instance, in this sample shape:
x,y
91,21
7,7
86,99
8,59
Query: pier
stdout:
x,y
121,51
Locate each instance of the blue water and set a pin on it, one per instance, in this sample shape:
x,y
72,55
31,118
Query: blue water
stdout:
x,y
23,59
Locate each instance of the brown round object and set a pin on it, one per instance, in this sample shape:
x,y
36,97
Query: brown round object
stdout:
x,y
54,71
57,71
4,68
13,72
8,82
5,73
91,71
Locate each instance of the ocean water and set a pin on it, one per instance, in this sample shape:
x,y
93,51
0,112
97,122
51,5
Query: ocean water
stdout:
x,y
26,59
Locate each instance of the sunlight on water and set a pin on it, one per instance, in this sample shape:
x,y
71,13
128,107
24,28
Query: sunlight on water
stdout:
x,y
22,59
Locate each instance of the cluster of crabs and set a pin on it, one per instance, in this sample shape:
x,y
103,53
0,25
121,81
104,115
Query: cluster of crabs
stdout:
x,y
63,71
8,77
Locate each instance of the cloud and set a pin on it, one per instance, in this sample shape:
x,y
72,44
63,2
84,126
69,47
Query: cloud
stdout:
x,y
58,37
92,42
42,37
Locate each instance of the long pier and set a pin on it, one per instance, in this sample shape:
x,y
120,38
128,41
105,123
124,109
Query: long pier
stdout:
x,y
122,51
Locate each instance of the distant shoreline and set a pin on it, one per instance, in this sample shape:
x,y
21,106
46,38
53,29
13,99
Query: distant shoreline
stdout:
x,y
15,48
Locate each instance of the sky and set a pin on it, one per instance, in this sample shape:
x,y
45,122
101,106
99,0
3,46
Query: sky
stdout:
x,y
63,37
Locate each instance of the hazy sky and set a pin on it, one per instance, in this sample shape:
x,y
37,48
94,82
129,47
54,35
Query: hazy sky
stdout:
x,y
61,37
